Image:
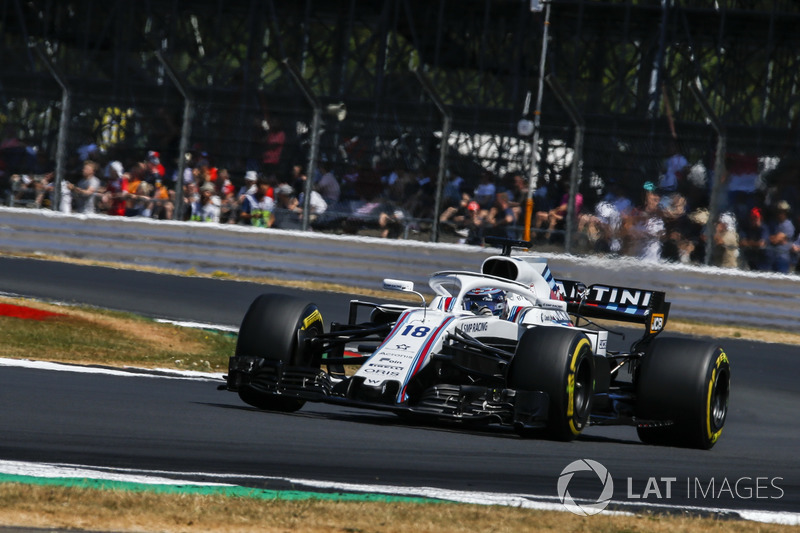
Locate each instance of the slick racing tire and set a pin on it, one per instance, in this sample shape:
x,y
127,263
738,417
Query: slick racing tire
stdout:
x,y
559,362
686,383
274,328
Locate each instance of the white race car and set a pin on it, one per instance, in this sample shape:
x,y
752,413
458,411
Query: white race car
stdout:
x,y
502,345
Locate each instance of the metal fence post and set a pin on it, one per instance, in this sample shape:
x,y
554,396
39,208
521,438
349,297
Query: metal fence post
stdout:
x,y
186,131
63,126
313,155
443,147
533,177
577,154
183,149
316,125
719,168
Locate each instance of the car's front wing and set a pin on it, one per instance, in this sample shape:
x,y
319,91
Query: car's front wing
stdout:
x,y
520,409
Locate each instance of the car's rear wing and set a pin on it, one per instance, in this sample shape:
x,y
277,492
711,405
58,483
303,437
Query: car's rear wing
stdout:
x,y
624,304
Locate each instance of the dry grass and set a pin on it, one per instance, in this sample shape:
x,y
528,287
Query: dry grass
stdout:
x,y
69,508
733,332
83,336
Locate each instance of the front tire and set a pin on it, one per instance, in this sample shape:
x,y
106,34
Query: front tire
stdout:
x,y
687,382
559,362
274,328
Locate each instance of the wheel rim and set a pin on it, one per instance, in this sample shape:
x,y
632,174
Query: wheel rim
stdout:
x,y
301,357
583,389
719,399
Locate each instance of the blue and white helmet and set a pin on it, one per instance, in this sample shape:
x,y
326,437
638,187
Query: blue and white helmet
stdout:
x,y
486,301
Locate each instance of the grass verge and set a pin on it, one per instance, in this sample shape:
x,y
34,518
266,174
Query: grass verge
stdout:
x,y
91,336
116,510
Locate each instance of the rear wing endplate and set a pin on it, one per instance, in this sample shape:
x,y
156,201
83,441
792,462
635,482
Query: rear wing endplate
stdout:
x,y
624,304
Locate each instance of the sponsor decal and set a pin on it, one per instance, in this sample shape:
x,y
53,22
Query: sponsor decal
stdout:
x,y
546,304
397,355
381,371
402,347
559,317
475,327
656,322
620,296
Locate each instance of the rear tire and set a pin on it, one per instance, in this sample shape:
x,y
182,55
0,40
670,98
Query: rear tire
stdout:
x,y
559,362
274,328
688,382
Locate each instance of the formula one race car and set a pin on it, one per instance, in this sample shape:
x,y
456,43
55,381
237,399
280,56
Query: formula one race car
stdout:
x,y
502,345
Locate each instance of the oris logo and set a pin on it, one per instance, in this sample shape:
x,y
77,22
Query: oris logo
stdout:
x,y
587,508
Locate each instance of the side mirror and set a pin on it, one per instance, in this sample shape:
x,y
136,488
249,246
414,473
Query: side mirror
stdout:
x,y
403,286
398,285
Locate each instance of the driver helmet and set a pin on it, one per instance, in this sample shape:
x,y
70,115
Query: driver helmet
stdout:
x,y
486,301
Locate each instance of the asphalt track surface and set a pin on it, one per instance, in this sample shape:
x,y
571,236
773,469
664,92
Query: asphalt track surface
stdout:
x,y
190,427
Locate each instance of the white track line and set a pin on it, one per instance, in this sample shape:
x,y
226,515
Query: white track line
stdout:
x,y
527,501
162,373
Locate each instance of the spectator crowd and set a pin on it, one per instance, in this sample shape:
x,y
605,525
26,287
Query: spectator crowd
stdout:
x,y
755,227
663,219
